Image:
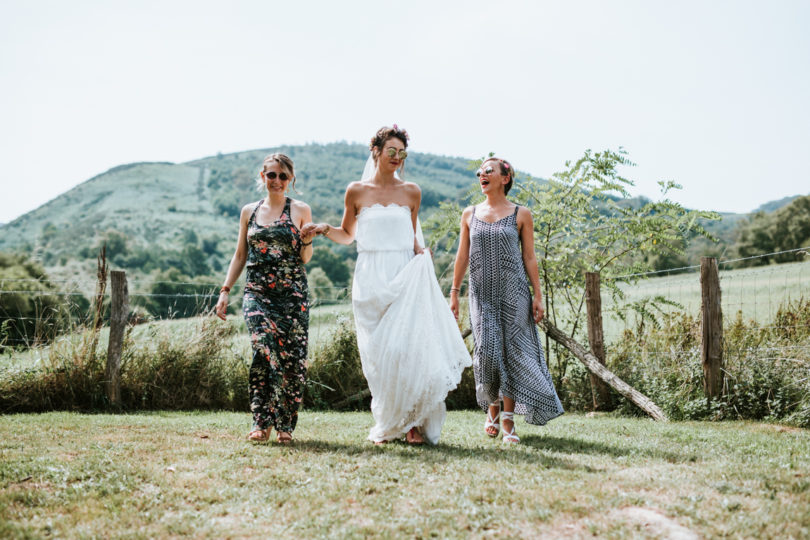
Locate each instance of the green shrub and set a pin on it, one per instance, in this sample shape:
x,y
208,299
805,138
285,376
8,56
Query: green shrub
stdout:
x,y
169,370
336,373
765,367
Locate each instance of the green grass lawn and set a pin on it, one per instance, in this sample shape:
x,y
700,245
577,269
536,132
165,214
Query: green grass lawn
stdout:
x,y
177,474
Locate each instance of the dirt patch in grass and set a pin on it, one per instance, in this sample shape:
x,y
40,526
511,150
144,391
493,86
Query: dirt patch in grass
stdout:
x,y
655,523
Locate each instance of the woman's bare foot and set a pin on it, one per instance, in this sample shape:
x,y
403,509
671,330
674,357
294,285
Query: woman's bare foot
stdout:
x,y
283,437
414,436
259,435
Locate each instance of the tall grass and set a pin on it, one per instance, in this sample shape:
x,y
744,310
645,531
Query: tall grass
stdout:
x,y
204,365
766,367
162,370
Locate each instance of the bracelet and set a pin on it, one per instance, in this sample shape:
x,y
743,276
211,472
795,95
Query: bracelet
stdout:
x,y
225,289
455,289
306,243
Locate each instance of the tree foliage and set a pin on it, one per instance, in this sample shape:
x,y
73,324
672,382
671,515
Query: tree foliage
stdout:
x,y
583,224
30,310
785,229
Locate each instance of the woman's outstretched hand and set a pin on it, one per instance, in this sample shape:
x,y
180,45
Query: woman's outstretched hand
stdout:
x,y
308,233
314,229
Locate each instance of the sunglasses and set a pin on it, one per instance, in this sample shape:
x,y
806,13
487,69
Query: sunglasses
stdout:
x,y
272,176
393,152
479,172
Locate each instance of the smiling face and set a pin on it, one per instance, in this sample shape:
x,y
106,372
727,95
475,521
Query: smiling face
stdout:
x,y
490,177
391,156
276,177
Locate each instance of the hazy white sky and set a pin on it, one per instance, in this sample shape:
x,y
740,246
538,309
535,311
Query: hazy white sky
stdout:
x,y
713,95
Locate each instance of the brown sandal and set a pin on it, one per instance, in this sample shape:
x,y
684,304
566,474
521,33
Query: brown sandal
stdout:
x,y
259,435
282,437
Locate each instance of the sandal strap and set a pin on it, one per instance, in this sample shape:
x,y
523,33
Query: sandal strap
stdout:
x,y
510,436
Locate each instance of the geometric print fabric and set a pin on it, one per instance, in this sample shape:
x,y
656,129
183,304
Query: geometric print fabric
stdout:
x,y
508,358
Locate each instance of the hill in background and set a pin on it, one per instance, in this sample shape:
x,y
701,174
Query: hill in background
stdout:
x,y
183,217
160,215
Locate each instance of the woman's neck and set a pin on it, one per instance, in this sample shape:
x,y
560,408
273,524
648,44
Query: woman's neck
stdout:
x,y
384,178
275,198
495,200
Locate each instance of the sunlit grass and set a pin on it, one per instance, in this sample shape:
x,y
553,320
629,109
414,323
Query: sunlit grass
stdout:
x,y
169,474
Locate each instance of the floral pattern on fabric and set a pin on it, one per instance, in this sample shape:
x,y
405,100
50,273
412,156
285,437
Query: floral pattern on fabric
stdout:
x,y
276,311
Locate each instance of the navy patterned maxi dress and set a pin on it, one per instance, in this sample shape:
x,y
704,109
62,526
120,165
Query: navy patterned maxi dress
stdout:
x,y
508,358
277,315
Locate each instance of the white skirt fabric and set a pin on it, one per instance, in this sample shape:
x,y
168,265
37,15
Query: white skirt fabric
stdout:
x,y
410,345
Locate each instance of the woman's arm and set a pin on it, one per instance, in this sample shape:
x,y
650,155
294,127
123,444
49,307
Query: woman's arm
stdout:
x,y
462,260
526,229
237,262
415,197
302,215
345,233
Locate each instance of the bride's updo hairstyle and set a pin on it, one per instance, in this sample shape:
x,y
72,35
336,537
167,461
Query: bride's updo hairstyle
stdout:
x,y
505,170
382,136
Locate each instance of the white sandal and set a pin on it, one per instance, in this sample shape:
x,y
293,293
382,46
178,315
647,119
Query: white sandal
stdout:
x,y
508,437
493,422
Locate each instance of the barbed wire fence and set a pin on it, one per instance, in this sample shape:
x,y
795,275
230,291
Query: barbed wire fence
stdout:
x,y
754,293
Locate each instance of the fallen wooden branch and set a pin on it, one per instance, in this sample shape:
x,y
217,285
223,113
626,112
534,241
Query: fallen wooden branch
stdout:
x,y
592,363
585,356
351,399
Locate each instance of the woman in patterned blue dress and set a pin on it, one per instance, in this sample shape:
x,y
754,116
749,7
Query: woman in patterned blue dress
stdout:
x,y
497,243
275,302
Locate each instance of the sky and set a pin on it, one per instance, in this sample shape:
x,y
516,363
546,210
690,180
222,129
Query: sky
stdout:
x,y
710,94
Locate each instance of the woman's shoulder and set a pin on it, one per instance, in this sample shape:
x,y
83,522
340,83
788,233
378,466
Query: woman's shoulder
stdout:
x,y
523,213
300,205
411,188
250,207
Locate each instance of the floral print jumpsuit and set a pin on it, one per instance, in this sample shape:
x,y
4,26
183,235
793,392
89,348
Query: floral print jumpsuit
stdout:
x,y
277,315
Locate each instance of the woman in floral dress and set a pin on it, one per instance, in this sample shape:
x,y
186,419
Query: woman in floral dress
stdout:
x,y
275,302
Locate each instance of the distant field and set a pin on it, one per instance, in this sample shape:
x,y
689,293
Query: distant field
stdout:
x,y
756,292
323,319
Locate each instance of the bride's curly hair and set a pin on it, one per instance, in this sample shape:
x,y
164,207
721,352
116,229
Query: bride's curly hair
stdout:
x,y
383,135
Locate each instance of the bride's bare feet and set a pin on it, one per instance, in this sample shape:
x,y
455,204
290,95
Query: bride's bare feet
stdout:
x,y
414,436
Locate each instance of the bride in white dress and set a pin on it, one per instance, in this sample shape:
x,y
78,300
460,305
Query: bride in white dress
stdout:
x,y
410,347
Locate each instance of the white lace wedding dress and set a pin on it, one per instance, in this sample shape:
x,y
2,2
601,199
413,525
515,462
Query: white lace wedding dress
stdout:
x,y
410,346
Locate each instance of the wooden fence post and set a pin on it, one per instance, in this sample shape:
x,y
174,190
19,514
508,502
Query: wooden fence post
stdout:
x,y
596,337
711,351
119,310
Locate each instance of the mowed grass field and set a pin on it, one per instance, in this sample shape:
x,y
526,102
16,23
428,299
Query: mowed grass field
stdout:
x,y
193,474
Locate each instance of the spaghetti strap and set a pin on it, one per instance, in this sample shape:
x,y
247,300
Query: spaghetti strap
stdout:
x,y
253,215
286,210
517,207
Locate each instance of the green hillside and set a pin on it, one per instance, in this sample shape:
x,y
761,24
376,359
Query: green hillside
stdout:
x,y
157,216
182,217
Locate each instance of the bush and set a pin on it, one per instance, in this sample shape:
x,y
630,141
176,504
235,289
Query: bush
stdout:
x,y
31,310
336,373
765,367
170,370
